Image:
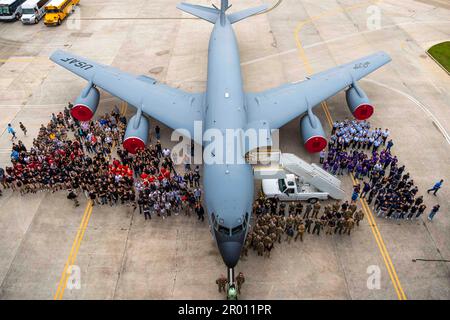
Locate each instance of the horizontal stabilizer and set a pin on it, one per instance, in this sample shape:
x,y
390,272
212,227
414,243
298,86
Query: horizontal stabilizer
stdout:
x,y
205,13
241,15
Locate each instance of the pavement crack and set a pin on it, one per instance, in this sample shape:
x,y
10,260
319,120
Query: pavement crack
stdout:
x,y
124,254
176,262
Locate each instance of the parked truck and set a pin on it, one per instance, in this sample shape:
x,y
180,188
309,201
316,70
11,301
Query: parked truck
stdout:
x,y
33,11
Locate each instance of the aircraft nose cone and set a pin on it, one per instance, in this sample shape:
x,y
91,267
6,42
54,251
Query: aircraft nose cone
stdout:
x,y
231,252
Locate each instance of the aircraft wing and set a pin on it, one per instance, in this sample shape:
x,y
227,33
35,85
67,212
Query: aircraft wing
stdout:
x,y
280,105
175,108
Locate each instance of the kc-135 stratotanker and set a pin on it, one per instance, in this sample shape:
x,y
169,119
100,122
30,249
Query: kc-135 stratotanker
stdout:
x,y
229,188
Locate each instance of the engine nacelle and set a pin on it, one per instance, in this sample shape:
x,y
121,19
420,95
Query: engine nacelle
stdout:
x,y
136,135
313,134
86,104
358,103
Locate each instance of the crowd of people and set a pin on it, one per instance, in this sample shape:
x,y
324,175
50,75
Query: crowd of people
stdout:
x,y
79,157
277,221
365,153
73,156
161,190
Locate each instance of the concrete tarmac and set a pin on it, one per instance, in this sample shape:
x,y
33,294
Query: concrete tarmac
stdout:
x,y
119,255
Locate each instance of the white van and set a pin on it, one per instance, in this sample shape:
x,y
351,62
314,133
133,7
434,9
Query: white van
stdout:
x,y
33,11
10,9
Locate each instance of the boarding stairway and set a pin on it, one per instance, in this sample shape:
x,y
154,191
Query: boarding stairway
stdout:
x,y
275,165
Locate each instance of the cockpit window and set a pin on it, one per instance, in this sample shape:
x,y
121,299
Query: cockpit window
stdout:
x,y
236,230
224,230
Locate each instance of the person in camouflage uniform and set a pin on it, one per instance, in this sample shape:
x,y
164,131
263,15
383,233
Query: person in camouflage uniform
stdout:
x,y
349,224
358,216
300,231
307,211
221,283
240,279
316,210
317,226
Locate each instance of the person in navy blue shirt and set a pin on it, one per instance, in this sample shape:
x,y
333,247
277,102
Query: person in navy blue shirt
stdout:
x,y
433,212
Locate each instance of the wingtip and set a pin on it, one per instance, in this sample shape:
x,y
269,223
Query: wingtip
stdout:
x,y
387,56
55,54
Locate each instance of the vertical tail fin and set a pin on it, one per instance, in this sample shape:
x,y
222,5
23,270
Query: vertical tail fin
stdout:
x,y
224,6
212,14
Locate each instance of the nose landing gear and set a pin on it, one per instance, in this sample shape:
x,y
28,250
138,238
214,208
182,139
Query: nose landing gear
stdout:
x,y
231,290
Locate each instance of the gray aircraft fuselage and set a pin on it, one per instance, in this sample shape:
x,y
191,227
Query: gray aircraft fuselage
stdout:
x,y
229,187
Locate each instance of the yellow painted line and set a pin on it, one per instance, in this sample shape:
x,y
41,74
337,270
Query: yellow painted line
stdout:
x,y
271,8
327,114
379,239
26,60
122,108
125,108
377,230
74,256
374,228
73,252
79,237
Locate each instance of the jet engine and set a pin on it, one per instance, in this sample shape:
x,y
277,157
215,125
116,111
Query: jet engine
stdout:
x,y
86,104
358,103
136,135
312,133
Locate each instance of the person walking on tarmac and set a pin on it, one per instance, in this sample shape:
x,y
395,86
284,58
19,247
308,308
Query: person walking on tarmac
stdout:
x,y
436,187
11,131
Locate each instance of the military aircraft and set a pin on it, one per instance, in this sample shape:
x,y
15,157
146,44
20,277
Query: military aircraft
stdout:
x,y
229,187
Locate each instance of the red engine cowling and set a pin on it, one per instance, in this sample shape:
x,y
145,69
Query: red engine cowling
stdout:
x,y
86,104
136,135
313,134
358,103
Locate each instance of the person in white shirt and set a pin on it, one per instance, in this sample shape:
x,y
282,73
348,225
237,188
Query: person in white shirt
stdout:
x,y
166,152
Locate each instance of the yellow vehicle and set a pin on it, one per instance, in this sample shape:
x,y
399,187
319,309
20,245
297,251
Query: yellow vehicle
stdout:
x,y
57,10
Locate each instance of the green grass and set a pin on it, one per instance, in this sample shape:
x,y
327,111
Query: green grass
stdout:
x,y
441,52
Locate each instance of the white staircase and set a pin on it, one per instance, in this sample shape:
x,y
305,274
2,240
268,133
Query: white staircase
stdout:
x,y
275,165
